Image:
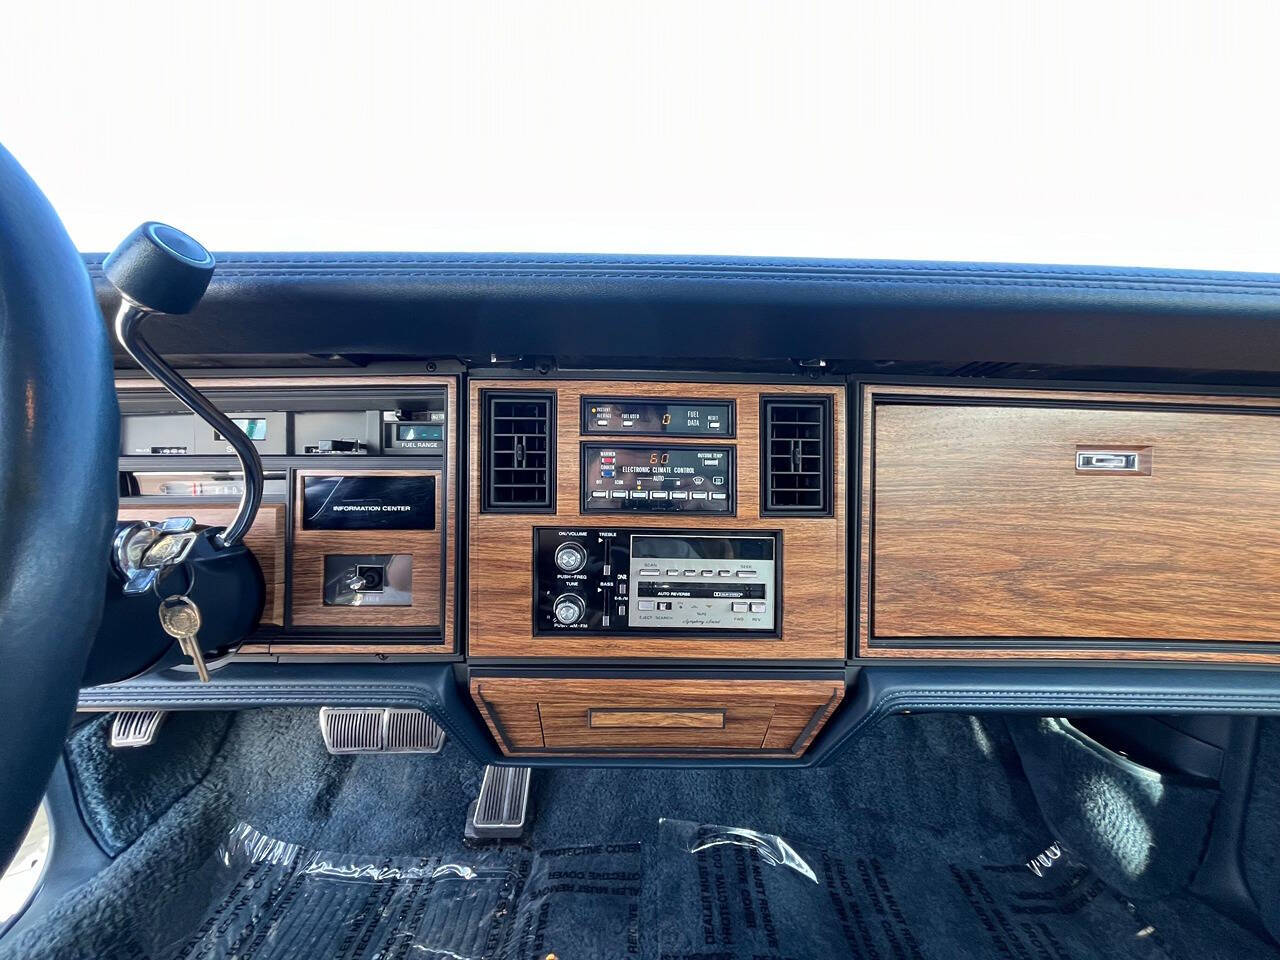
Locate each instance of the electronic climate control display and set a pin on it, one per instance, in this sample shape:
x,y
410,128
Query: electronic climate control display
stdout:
x,y
653,478
657,418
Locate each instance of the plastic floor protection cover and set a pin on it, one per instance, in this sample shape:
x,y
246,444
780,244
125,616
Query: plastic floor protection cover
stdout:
x,y
697,892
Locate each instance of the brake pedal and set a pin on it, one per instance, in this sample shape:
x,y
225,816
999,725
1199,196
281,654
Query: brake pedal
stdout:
x,y
379,730
502,809
135,728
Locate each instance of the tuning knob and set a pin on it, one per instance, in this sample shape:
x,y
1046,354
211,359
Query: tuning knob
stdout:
x,y
569,608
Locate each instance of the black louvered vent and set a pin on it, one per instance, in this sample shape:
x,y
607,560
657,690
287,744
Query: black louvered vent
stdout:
x,y
519,453
796,450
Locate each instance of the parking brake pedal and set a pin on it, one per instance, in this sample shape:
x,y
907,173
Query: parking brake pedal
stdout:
x,y
135,728
379,730
502,809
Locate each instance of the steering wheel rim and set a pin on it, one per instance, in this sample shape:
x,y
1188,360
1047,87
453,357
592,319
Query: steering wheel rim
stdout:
x,y
59,423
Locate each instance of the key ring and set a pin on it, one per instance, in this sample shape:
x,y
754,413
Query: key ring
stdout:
x,y
186,566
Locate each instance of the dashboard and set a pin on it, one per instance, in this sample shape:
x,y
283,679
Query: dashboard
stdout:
x,y
577,561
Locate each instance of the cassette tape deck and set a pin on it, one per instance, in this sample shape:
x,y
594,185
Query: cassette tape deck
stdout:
x,y
629,580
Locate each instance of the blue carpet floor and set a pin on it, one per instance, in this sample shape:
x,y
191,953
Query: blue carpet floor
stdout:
x,y
914,845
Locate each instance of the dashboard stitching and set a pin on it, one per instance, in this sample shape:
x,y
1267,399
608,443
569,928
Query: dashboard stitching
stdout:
x,y
232,261
1201,288
906,699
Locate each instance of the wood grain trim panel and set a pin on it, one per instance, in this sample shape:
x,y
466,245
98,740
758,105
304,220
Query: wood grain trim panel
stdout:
x,y
266,538
1177,562
815,549
1037,395
553,716
619,717
448,614
311,546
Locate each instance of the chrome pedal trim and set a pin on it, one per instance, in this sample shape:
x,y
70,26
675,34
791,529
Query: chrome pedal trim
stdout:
x,y
352,729
135,728
412,731
502,808
379,730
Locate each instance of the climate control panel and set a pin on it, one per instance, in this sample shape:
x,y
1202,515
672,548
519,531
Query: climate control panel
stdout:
x,y
650,478
622,580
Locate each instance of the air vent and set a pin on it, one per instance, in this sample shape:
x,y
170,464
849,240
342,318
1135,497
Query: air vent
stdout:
x,y
796,451
519,452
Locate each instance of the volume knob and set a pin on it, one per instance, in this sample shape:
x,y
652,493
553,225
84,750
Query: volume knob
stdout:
x,y
569,608
570,557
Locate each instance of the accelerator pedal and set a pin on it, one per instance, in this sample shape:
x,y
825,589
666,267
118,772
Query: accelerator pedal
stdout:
x,y
379,730
502,809
135,728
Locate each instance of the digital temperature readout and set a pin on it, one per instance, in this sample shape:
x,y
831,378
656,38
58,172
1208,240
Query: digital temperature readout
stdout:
x,y
649,479
657,418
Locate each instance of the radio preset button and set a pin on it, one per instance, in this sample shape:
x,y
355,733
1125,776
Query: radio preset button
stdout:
x,y
619,494
639,494
699,494
658,495
600,494
719,496
724,573
679,494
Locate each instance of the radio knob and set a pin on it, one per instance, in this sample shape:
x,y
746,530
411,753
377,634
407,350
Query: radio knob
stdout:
x,y
570,557
569,608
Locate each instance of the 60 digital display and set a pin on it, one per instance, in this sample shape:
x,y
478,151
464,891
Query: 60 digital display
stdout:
x,y
657,479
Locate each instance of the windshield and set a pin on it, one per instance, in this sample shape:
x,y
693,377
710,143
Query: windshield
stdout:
x,y
1097,133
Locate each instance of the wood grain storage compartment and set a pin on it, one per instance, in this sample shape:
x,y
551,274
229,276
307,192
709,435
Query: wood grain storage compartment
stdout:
x,y
1030,523
665,717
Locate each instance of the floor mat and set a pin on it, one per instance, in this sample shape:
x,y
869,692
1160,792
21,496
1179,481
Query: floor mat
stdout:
x,y
915,844
693,892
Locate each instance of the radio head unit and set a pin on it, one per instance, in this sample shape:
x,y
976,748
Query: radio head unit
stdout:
x,y
656,581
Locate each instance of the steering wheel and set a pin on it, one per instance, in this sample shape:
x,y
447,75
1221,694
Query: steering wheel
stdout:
x,y
58,489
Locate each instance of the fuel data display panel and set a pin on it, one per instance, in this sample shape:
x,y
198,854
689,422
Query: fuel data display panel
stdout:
x,y
657,418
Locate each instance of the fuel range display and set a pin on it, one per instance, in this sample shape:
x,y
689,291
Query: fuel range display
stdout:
x,y
652,478
657,418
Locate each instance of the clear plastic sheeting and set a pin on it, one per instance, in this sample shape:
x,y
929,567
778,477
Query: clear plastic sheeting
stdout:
x,y
771,849
765,898
278,900
689,892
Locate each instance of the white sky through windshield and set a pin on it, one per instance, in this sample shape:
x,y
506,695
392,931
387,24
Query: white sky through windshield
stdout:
x,y
1113,133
